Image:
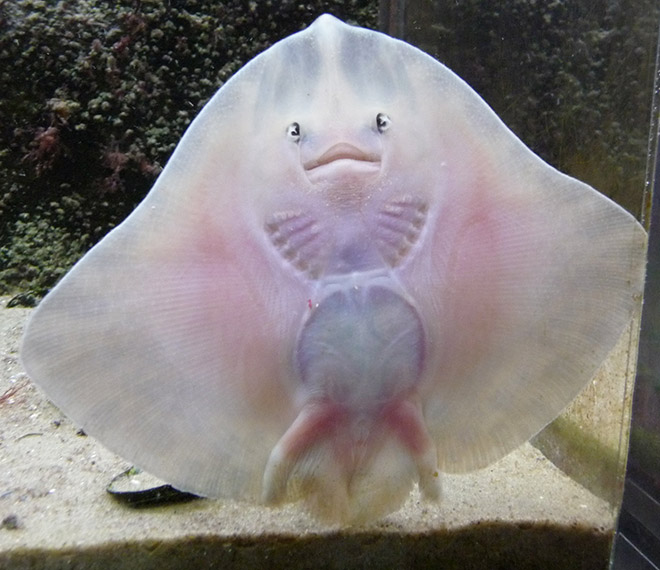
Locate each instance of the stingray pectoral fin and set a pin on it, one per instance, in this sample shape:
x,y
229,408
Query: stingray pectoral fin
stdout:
x,y
526,280
165,343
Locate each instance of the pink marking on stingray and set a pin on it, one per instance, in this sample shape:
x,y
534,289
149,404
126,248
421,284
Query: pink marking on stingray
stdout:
x,y
405,419
320,421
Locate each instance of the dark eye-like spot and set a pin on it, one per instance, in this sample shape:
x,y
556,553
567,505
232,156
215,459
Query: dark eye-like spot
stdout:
x,y
383,122
293,132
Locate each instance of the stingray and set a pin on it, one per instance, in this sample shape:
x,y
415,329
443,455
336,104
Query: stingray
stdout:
x,y
350,277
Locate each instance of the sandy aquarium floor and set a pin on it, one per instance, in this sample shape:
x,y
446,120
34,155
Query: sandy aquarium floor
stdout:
x,y
55,512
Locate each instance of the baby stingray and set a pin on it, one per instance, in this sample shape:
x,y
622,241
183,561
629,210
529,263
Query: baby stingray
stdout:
x,y
349,277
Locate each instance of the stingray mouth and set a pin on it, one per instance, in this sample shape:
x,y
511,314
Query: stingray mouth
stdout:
x,y
340,155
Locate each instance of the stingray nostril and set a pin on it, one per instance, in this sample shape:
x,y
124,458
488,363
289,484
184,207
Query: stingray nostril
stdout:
x,y
293,132
383,122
